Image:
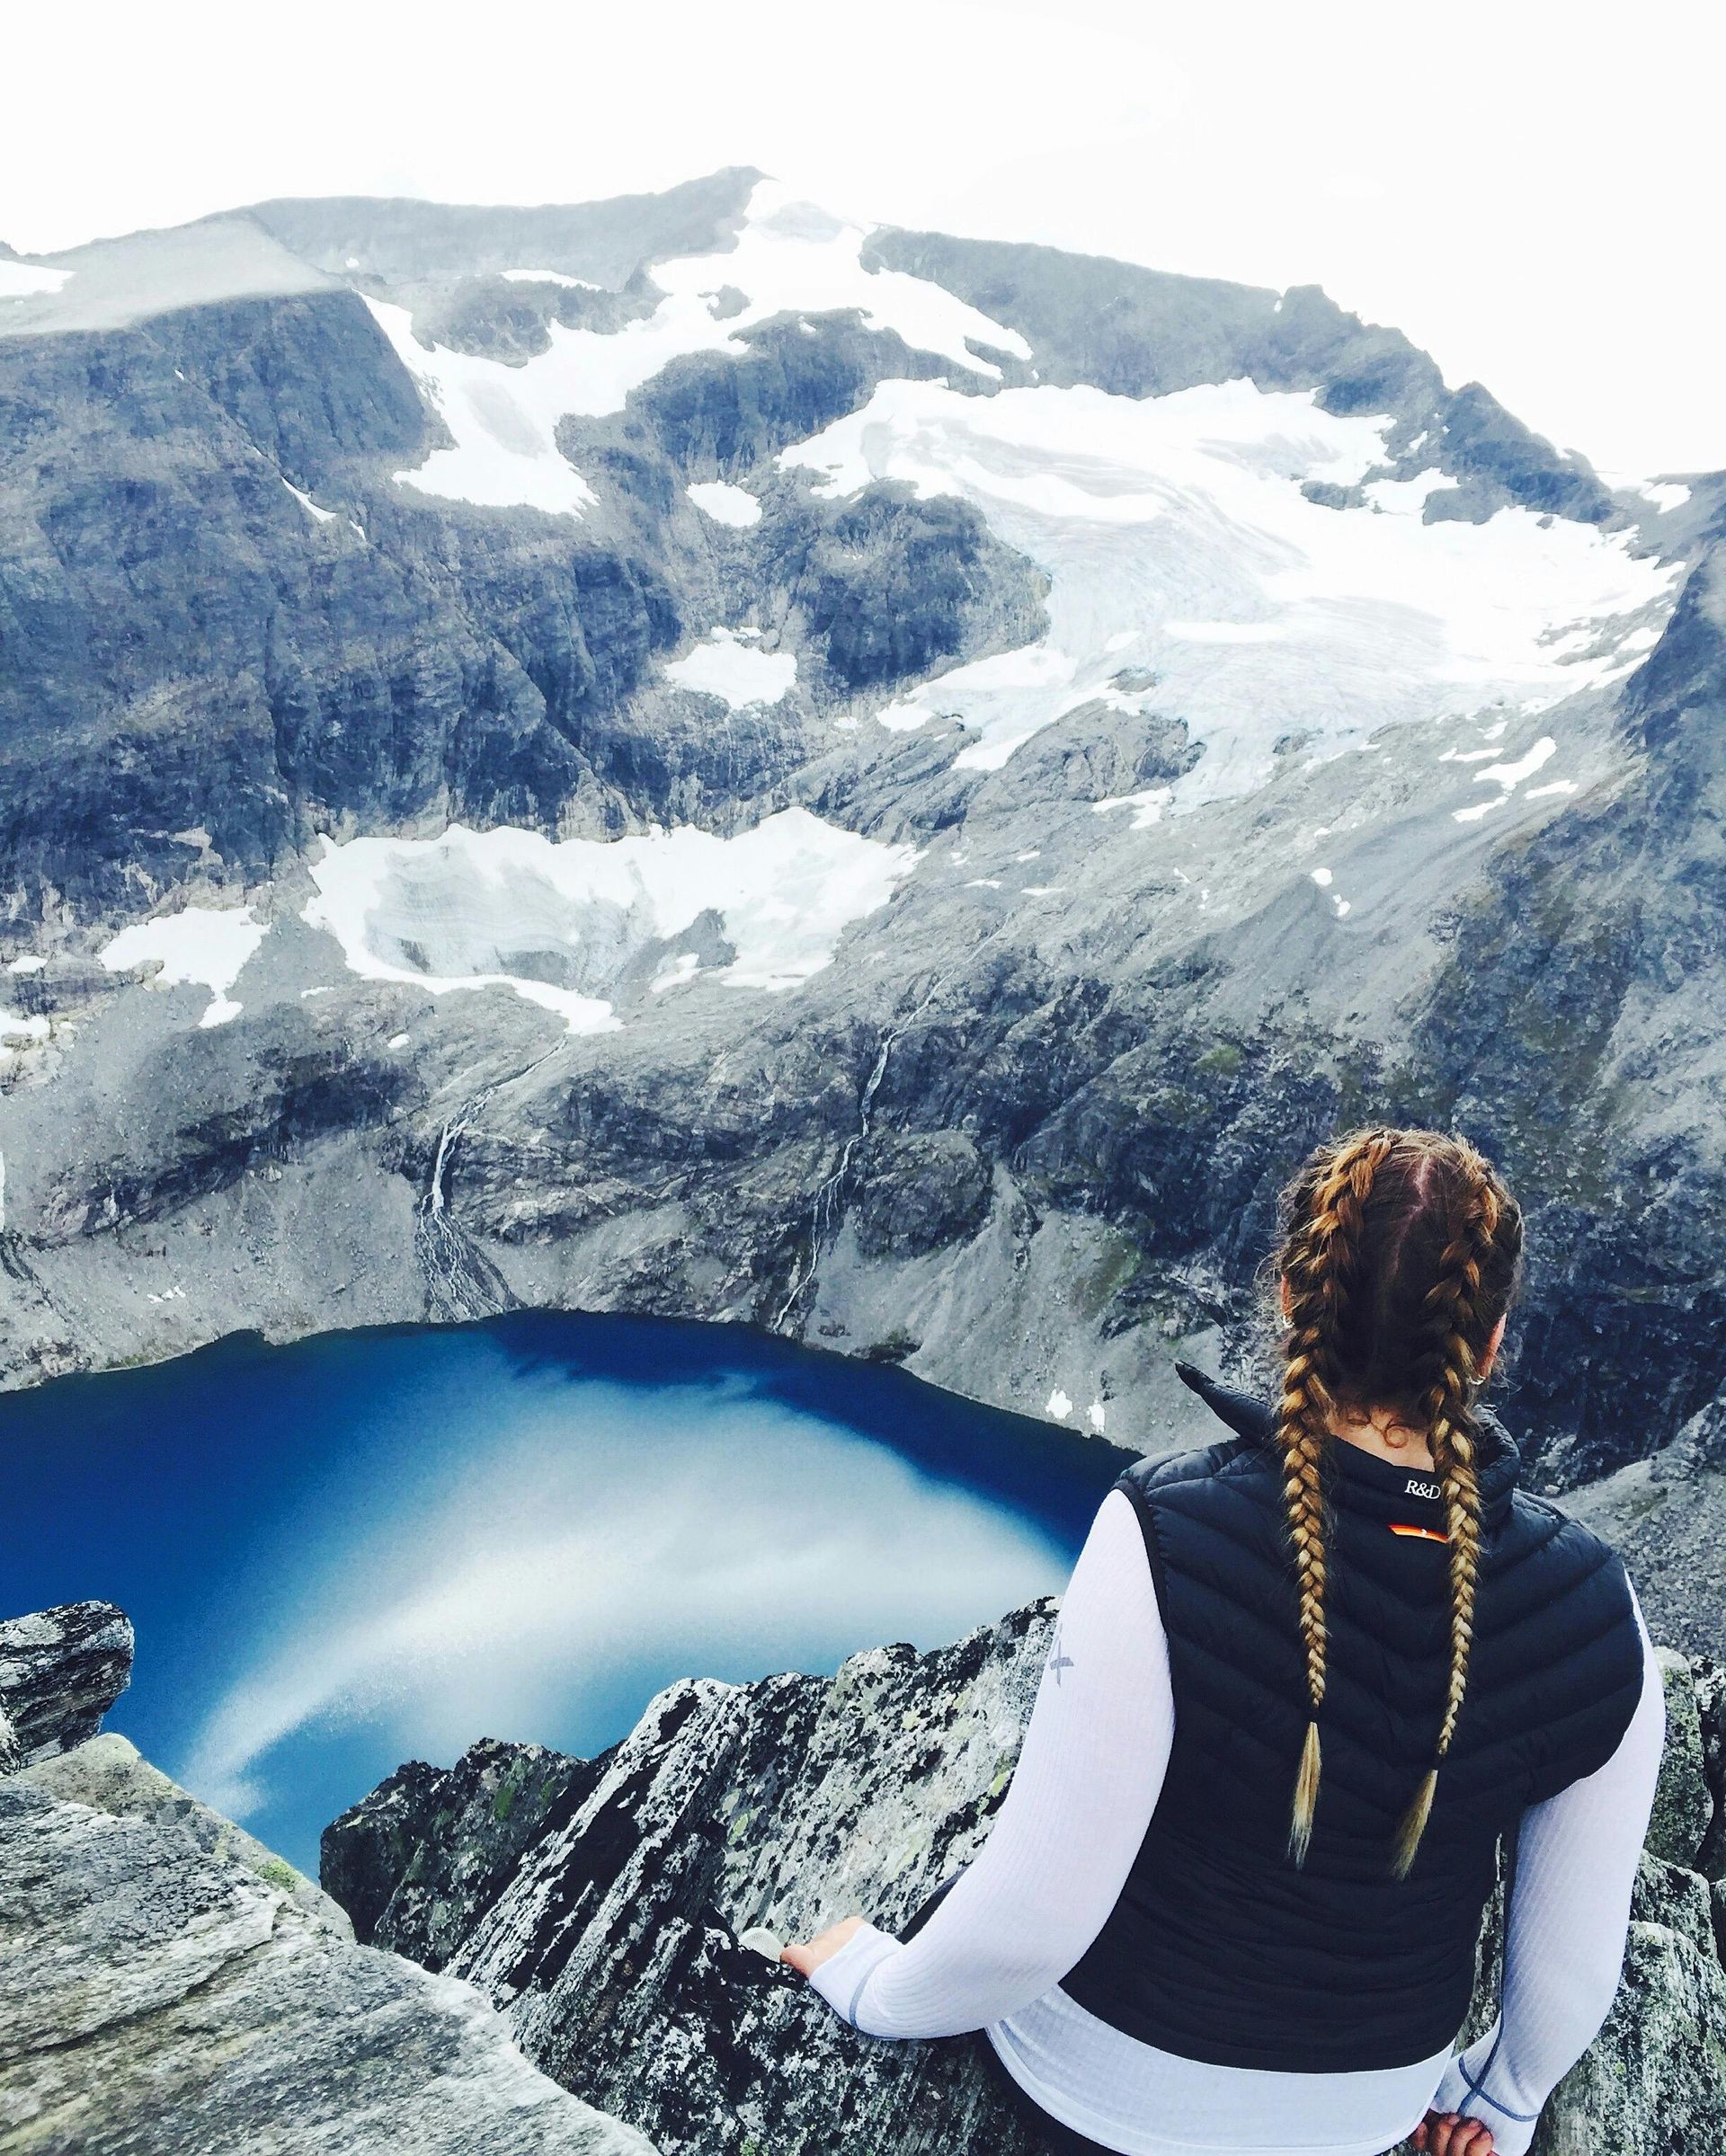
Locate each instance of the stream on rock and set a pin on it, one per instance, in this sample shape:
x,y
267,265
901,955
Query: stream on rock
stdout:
x,y
376,1545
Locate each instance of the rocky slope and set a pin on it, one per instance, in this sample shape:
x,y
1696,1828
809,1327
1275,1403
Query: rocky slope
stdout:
x,y
166,1984
604,1905
1029,744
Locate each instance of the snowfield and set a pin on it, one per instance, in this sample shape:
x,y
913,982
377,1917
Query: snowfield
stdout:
x,y
789,258
1177,541
206,945
24,280
725,666
726,503
566,923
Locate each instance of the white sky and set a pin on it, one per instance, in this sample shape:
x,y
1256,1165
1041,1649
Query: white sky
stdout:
x,y
1532,190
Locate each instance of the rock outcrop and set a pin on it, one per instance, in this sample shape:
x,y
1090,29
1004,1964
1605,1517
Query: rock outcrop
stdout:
x,y
167,1986
60,1672
602,1905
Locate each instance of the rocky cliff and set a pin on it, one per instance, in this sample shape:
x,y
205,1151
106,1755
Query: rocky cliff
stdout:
x,y
604,1905
683,755
167,1984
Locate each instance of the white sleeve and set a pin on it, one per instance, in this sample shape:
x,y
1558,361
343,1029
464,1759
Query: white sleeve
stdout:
x,y
1086,1782
1570,1914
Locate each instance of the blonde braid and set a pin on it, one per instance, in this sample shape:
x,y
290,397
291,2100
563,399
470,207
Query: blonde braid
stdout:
x,y
1452,1304
1318,1265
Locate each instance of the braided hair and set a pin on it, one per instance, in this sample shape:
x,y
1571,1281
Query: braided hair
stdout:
x,y
1400,1254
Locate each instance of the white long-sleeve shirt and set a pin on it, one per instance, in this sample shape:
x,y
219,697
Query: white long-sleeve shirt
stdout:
x,y
992,1954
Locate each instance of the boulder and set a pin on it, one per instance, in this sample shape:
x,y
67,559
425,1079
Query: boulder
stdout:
x,y
60,1672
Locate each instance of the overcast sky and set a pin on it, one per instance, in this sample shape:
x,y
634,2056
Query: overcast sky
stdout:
x,y
1532,191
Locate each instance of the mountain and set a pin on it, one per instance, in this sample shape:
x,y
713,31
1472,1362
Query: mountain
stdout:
x,y
689,755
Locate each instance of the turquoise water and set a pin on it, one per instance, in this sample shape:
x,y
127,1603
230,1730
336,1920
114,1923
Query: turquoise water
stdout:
x,y
376,1545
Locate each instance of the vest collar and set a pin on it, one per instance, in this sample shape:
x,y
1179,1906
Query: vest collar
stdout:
x,y
1360,1481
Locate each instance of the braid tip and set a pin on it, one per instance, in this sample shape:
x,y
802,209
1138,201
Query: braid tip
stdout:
x,y
1306,1797
1414,1823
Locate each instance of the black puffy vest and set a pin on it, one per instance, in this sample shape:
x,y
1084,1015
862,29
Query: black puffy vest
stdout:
x,y
1220,1948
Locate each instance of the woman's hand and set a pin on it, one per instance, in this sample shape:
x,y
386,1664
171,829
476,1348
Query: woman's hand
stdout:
x,y
1445,2133
808,1957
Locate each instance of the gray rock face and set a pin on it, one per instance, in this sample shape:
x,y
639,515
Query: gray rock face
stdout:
x,y
106,1774
151,2000
604,1905
1684,1803
608,1930
60,1672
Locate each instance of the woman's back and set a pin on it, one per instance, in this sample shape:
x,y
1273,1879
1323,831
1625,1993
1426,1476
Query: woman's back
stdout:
x,y
1307,1683
1219,1947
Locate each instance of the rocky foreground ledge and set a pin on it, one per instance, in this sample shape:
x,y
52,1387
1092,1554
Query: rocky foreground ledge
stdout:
x,y
603,1904
170,1988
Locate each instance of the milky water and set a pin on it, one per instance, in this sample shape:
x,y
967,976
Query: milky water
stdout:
x,y
376,1546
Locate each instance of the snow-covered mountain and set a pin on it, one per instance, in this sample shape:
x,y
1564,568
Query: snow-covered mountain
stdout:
x,y
687,753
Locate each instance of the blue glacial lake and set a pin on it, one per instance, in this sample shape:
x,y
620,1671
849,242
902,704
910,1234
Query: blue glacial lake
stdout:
x,y
379,1546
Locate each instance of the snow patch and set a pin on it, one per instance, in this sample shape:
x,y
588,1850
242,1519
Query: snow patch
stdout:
x,y
684,967
1096,1414
1179,519
1509,777
323,516
549,277
562,923
1147,807
29,963
1407,497
726,503
24,280
206,945
726,667
1664,494
1058,1404
17,1031
504,419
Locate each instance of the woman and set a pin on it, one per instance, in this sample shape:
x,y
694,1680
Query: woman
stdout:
x,y
1304,1685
